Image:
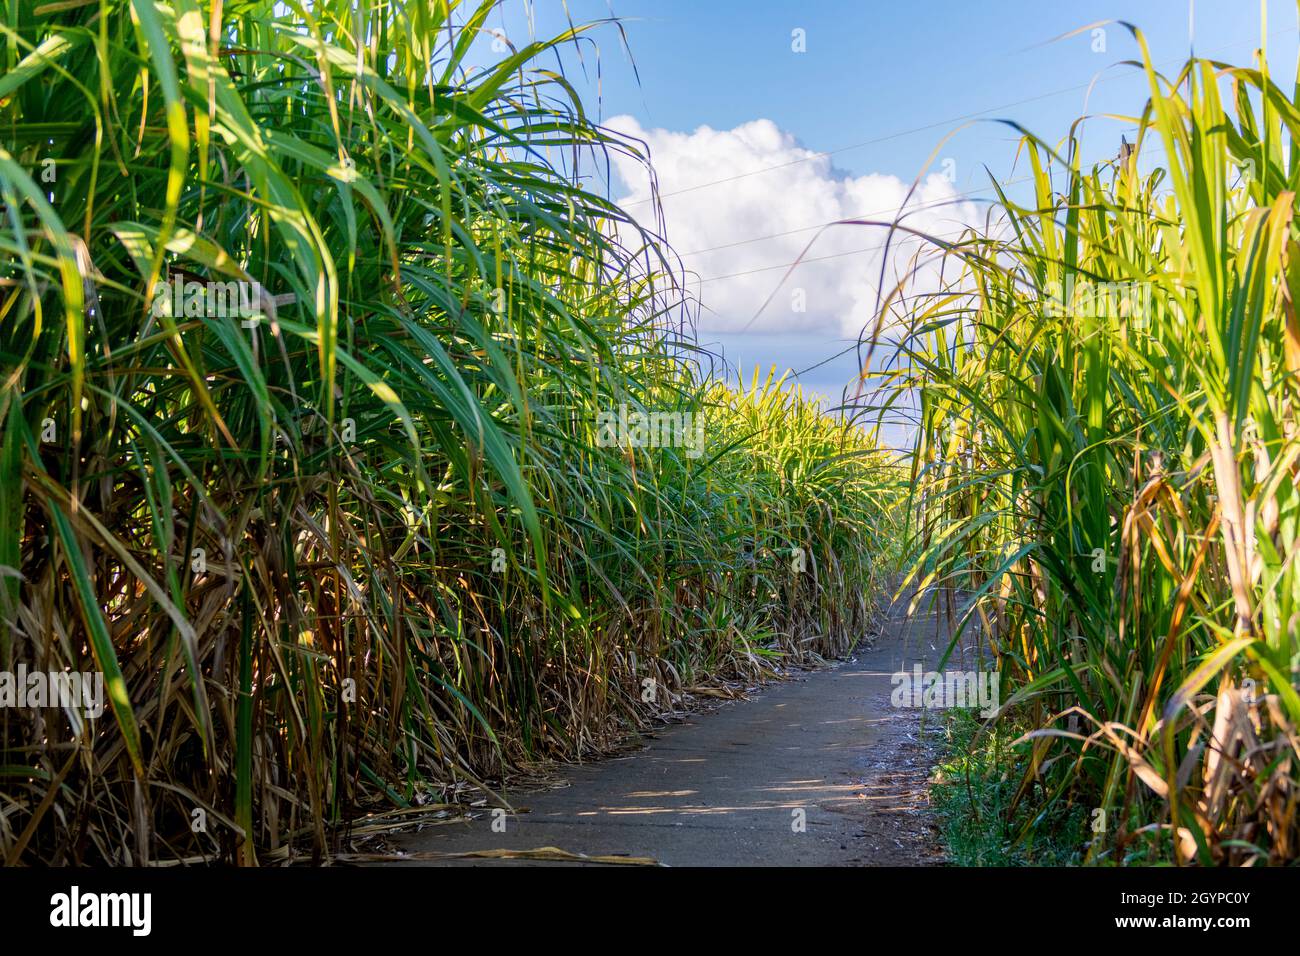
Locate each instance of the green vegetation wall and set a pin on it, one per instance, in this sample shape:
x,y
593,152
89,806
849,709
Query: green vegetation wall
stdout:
x,y
344,433
1109,463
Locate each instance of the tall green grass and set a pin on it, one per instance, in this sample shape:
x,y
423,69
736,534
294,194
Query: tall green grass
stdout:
x,y
1112,472
369,547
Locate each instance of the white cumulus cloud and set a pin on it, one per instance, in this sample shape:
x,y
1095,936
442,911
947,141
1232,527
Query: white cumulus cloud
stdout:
x,y
834,289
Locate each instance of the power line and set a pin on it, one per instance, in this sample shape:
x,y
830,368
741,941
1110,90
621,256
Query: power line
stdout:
x,y
955,197
909,132
867,142
842,149
970,194
799,262
1157,148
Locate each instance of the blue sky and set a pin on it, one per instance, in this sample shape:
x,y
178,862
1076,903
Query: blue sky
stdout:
x,y
878,87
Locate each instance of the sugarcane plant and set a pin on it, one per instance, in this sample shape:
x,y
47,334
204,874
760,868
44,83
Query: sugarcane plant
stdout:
x,y
312,325
1106,469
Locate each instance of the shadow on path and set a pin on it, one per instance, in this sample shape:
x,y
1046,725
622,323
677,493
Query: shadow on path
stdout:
x,y
815,771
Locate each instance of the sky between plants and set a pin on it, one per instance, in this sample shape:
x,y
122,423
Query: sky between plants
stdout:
x,y
767,119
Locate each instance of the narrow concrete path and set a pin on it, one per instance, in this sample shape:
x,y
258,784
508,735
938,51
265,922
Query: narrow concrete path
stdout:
x,y
817,771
